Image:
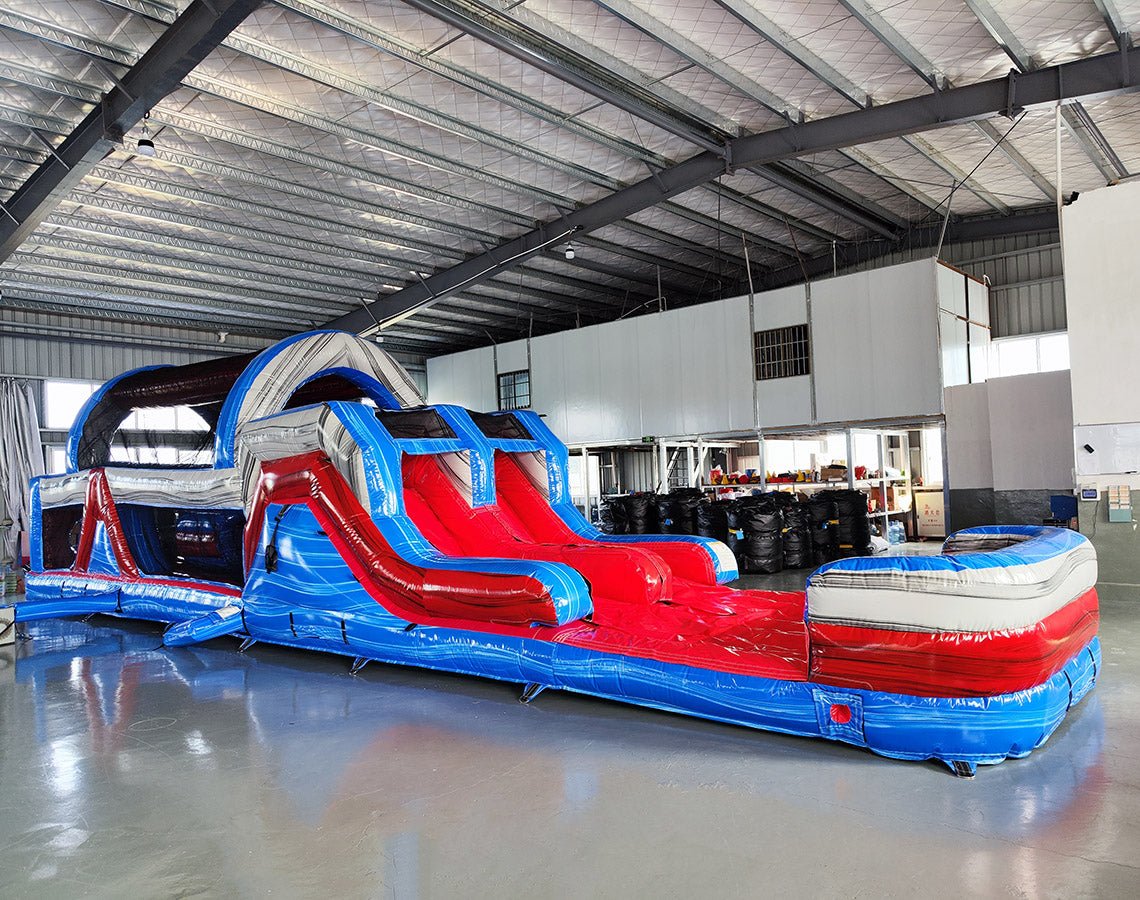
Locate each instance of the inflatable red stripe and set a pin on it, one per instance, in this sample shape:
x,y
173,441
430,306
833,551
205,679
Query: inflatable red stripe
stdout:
x,y
952,664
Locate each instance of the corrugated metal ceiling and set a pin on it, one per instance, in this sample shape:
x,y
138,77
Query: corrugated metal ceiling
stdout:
x,y
331,152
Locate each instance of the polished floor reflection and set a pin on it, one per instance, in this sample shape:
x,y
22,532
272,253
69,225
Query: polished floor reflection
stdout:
x,y
134,771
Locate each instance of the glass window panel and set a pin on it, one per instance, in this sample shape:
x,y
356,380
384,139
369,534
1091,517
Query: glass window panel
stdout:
x,y
63,400
1053,351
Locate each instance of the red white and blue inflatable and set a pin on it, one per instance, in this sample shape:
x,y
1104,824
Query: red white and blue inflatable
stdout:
x,y
342,514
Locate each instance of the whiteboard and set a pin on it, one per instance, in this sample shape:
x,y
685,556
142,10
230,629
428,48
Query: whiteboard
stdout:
x,y
1116,448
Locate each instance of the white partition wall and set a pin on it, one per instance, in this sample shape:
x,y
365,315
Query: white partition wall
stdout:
x,y
875,344
465,379
875,351
783,401
1102,297
1030,423
969,449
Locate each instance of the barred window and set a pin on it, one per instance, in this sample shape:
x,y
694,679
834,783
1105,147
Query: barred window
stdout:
x,y
782,352
514,390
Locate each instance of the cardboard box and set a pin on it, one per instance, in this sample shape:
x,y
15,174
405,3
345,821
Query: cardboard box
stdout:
x,y
899,498
833,473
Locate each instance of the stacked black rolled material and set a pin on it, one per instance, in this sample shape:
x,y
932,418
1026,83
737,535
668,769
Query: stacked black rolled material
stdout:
x,y
823,514
677,511
615,518
641,513
797,537
735,540
853,533
762,549
712,521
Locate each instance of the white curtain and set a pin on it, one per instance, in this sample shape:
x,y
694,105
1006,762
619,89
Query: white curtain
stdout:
x,y
21,457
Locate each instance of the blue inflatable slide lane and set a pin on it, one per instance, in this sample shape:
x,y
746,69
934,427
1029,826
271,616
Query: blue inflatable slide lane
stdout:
x,y
343,514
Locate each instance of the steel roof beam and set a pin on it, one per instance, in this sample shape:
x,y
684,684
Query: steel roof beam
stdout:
x,y
206,265
324,75
189,40
974,228
299,116
435,329
199,291
97,291
1115,22
499,30
1094,76
64,303
368,34
1089,138
403,266
490,305
197,125
845,87
517,39
47,81
353,257
1079,123
291,62
894,41
689,49
487,305
67,38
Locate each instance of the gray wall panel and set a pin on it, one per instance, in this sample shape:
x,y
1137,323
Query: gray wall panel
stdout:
x,y
51,345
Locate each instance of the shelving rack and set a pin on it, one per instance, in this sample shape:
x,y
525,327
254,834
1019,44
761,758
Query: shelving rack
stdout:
x,y
886,456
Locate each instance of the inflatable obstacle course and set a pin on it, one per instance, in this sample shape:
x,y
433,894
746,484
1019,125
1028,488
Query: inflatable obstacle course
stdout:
x,y
342,514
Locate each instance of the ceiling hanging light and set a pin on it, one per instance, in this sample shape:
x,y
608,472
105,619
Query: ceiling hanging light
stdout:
x,y
146,145
570,251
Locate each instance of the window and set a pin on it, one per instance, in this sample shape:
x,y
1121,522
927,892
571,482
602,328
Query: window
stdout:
x,y
63,400
782,352
1026,355
514,390
160,456
165,418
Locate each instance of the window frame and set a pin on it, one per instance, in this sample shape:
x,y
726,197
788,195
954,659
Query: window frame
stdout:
x,y
783,352
515,395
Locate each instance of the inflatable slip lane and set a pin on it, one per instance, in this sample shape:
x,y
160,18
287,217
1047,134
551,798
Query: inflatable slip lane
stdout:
x,y
341,514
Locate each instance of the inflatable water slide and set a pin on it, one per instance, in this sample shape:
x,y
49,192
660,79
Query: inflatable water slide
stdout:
x,y
342,514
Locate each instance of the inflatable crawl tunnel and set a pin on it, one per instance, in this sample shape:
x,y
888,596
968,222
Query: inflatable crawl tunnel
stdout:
x,y
343,514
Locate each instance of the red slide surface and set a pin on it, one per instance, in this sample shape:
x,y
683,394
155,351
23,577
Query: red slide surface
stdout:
x,y
516,493
421,595
641,607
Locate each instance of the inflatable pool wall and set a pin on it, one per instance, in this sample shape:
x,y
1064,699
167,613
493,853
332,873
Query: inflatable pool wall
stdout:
x,y
342,514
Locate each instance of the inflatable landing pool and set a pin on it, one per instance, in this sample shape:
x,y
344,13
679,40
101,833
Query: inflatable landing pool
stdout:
x,y
341,514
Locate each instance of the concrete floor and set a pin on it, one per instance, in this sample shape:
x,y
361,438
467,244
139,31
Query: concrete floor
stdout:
x,y
133,771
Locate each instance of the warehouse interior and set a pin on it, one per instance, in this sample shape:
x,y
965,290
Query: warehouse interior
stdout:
x,y
823,284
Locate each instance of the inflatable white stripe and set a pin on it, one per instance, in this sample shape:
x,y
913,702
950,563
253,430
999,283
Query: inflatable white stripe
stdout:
x,y
64,490
302,431
999,582
971,600
288,369
196,488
